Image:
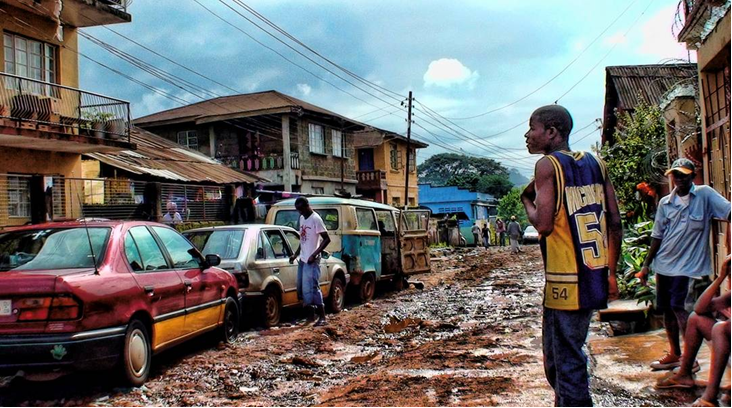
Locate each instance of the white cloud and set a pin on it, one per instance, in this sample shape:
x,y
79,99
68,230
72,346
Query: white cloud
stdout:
x,y
617,38
657,39
304,89
446,72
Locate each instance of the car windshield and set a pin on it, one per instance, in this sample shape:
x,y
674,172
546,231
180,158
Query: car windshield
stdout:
x,y
224,243
52,248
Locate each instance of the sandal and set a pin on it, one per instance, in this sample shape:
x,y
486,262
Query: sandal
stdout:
x,y
703,403
672,382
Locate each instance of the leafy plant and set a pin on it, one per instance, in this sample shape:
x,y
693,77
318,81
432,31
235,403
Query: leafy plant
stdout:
x,y
635,247
510,205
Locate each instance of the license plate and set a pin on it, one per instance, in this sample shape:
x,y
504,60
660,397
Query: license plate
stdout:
x,y
5,308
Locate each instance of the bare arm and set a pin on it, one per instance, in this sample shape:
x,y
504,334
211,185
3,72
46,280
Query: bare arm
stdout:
x,y
323,244
707,302
652,251
539,198
615,237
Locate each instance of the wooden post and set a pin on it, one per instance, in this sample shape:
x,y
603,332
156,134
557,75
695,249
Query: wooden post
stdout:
x,y
409,140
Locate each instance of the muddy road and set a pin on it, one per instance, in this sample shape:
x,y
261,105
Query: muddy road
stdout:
x,y
471,337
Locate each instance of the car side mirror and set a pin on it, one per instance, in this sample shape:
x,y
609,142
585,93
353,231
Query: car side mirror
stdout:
x,y
325,254
212,260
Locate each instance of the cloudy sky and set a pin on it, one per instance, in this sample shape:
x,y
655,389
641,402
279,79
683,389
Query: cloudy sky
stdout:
x,y
460,58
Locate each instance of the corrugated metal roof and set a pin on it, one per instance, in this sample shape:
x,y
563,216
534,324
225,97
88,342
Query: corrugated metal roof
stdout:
x,y
645,83
159,157
376,137
266,102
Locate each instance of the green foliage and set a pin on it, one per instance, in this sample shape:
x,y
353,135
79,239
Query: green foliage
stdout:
x,y
439,245
510,205
185,226
635,247
473,173
638,155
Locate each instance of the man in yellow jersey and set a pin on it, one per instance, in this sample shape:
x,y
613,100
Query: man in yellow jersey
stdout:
x,y
572,204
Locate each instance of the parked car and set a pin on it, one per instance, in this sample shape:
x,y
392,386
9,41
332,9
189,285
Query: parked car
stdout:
x,y
107,294
259,257
376,241
531,235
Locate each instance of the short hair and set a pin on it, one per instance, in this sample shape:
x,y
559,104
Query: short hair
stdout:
x,y
555,116
301,201
171,206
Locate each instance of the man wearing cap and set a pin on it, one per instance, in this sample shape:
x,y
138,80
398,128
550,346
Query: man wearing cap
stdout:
x,y
680,254
514,234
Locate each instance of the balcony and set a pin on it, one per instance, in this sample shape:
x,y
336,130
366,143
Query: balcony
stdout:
x,y
79,13
371,180
695,19
44,116
251,163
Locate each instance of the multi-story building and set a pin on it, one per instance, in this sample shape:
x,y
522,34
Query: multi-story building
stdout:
x,y
704,25
46,122
381,160
296,145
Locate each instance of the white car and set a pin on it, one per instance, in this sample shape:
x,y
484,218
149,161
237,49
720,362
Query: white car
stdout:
x,y
259,257
531,234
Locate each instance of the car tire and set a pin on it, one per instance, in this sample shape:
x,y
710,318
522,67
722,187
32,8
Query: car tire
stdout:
x,y
136,354
367,287
337,296
230,327
271,307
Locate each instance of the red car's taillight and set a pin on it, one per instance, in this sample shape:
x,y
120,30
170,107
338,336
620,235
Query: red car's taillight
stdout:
x,y
48,308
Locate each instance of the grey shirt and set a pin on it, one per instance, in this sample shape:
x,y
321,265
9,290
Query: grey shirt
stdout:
x,y
514,230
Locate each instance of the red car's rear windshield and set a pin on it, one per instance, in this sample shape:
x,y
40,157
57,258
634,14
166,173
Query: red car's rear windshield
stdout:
x,y
52,248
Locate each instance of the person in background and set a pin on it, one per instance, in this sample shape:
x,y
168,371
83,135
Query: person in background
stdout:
x,y
709,321
476,234
514,234
680,253
172,216
501,232
314,239
486,235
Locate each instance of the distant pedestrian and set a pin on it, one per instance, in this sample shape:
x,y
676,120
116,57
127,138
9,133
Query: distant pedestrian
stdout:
x,y
172,216
314,239
476,234
487,235
680,252
572,204
514,234
501,232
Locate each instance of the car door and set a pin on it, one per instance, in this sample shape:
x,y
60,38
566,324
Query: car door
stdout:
x,y
414,248
278,258
163,287
203,291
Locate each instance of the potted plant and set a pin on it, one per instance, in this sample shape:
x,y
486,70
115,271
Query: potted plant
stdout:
x,y
95,122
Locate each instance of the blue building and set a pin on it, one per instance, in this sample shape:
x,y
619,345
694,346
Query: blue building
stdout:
x,y
465,205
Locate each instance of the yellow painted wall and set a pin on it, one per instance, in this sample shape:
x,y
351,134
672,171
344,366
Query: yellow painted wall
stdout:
x,y
21,161
44,29
395,178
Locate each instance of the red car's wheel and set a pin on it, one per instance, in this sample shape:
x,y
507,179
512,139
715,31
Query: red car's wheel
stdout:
x,y
137,354
230,327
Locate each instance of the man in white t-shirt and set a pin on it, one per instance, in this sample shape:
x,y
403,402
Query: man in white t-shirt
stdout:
x,y
313,241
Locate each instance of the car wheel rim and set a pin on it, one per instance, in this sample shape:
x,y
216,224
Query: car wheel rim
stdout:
x,y
138,352
271,308
338,296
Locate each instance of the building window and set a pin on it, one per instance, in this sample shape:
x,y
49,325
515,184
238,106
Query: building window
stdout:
x,y
319,190
396,201
18,197
30,58
317,142
412,161
337,138
188,138
394,158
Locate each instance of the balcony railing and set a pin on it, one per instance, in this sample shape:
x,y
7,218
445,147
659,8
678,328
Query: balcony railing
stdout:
x,y
371,179
31,104
260,163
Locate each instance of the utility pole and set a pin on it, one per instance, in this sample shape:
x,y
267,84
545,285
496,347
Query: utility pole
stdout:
x,y
409,147
343,159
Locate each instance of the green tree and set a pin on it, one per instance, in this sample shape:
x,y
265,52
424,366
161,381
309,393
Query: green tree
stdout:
x,y
638,154
497,185
510,205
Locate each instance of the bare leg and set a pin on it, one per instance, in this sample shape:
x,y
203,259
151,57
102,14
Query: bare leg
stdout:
x,y
671,324
682,316
720,356
699,328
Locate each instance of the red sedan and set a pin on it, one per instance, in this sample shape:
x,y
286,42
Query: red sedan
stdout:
x,y
106,294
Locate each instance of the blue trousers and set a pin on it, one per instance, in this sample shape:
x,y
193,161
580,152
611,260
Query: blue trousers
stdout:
x,y
308,285
565,364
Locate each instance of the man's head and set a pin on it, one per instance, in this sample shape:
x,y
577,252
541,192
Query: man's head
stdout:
x,y
549,128
171,207
513,218
302,205
682,173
